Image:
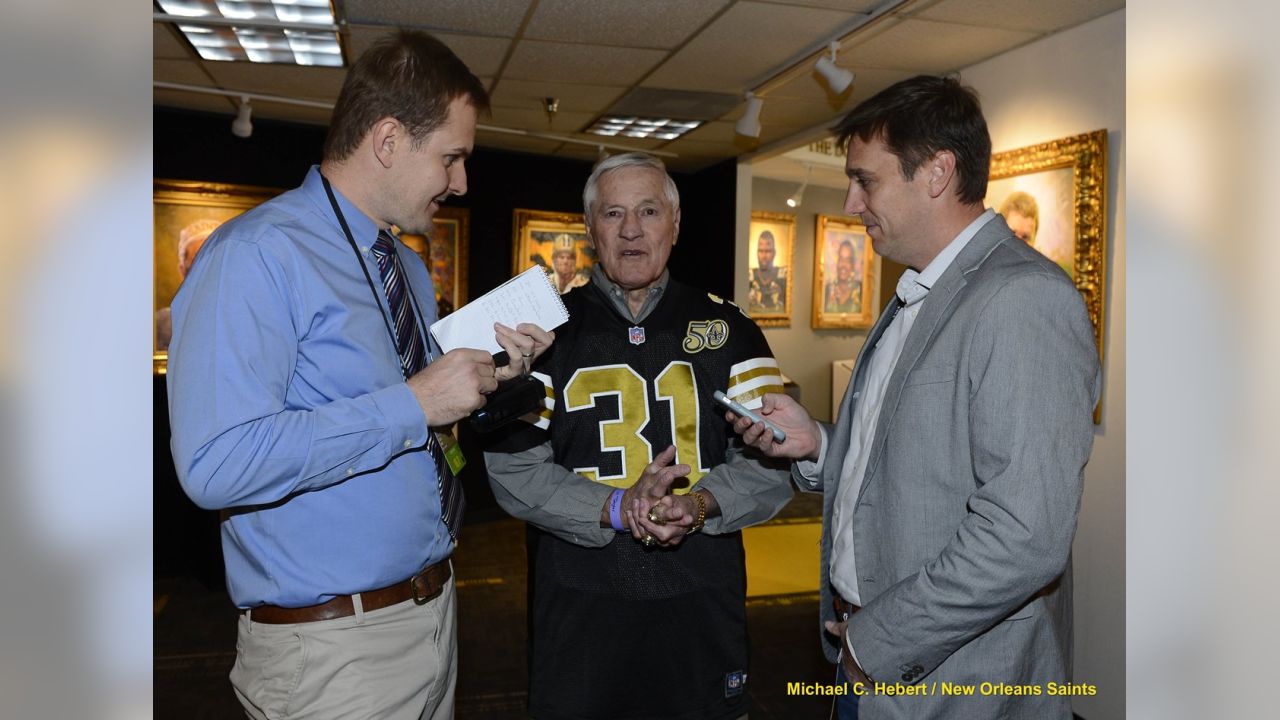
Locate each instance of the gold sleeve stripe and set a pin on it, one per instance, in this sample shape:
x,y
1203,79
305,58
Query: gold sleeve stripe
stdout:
x,y
737,388
741,378
752,398
541,419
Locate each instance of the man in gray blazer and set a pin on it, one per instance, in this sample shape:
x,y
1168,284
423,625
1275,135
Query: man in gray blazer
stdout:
x,y
952,477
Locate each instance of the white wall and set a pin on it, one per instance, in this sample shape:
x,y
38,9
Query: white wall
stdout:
x,y
805,355
1067,84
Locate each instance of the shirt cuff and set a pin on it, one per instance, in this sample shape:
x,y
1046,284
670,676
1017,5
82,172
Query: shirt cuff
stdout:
x,y
812,471
406,422
848,642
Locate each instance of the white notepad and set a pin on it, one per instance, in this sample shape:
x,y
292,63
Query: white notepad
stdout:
x,y
528,297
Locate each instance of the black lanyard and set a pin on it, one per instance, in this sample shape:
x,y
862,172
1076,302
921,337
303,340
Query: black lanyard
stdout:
x,y
378,296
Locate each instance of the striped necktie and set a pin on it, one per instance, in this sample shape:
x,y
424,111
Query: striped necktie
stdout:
x,y
412,352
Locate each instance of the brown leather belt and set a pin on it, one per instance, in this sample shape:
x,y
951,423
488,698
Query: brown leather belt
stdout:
x,y
421,588
844,610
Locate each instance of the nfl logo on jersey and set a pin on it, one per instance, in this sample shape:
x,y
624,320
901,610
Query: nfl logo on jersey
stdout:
x,y
636,335
734,683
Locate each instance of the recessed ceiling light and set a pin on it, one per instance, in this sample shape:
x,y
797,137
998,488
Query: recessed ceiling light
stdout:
x,y
638,127
255,43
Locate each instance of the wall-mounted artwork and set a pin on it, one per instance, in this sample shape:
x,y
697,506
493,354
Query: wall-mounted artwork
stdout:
x,y
846,274
445,255
770,249
557,242
185,213
1053,195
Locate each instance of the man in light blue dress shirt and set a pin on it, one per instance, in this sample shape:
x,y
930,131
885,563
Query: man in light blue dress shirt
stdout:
x,y
292,415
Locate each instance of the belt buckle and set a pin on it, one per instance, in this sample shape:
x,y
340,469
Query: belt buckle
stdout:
x,y
420,596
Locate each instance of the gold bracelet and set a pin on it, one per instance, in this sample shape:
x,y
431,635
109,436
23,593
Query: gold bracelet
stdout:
x,y
702,512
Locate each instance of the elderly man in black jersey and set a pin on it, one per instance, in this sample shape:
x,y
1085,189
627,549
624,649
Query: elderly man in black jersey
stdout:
x,y
633,485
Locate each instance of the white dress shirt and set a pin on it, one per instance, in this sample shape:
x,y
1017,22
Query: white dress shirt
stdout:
x,y
912,288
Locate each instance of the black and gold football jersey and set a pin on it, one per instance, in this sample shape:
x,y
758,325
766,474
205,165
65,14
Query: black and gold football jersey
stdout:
x,y
605,620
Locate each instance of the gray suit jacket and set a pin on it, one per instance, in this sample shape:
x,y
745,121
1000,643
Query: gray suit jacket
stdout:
x,y
965,518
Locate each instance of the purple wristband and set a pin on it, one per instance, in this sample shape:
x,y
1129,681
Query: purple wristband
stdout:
x,y
615,504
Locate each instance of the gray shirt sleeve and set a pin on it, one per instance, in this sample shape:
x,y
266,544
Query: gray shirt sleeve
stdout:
x,y
529,485
749,490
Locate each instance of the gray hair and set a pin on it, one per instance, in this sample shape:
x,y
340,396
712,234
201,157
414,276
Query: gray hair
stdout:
x,y
631,159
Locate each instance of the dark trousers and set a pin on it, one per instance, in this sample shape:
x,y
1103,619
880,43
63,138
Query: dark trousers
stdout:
x,y
846,706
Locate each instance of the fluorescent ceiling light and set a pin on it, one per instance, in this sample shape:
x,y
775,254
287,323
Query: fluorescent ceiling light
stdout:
x,y
253,42
638,127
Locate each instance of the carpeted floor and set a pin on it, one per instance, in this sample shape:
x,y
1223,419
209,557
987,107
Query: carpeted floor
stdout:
x,y
195,628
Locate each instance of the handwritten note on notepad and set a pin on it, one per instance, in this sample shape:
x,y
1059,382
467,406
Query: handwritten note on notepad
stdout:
x,y
528,297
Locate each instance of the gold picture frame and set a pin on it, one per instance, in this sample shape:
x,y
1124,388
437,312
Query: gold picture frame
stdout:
x,y
538,235
769,289
446,256
845,284
1064,184
185,213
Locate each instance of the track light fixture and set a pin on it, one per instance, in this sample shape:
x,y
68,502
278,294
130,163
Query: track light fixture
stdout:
x,y
795,200
838,79
749,124
242,126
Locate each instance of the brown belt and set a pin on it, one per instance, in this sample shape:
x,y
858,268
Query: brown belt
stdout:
x,y
844,610
421,588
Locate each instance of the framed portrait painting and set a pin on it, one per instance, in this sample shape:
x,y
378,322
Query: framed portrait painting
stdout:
x,y
185,213
556,242
1053,195
770,249
846,274
445,254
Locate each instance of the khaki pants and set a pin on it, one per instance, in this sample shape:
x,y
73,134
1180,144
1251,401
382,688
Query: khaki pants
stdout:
x,y
397,663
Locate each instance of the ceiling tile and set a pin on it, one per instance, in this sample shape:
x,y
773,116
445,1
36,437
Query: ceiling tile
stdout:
x,y
499,18
713,132
166,44
535,119
292,113
1032,15
580,152
529,93
861,6
797,112
777,131
503,141
589,64
694,148
867,81
193,101
744,45
187,72
617,22
482,54
948,47
633,143
310,83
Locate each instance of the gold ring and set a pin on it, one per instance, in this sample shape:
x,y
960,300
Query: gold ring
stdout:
x,y
526,356
649,541
655,518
